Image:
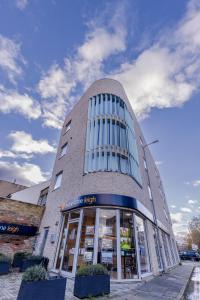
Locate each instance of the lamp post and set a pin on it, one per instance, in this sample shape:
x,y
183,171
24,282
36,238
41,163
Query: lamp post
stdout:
x,y
153,205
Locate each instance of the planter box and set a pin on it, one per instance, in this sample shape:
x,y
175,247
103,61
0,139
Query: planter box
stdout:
x,y
27,263
91,286
17,262
43,290
4,267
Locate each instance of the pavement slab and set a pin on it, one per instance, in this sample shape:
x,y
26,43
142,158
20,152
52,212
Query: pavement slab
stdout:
x,y
168,286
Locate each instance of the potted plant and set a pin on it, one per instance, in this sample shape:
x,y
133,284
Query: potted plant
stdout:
x,y
5,263
91,281
18,259
29,261
36,285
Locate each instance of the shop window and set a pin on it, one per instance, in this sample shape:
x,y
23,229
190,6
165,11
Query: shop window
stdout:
x,y
74,214
166,248
58,180
127,246
107,245
142,245
156,244
86,247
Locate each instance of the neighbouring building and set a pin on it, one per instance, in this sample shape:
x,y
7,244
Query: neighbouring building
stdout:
x,y
21,211
106,202
7,188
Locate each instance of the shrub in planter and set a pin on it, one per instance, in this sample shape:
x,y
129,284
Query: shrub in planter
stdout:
x,y
18,258
30,261
36,285
91,281
5,263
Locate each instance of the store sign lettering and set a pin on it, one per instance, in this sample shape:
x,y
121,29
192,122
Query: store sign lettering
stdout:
x,y
6,228
83,201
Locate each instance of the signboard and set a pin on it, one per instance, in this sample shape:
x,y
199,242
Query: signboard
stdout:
x,y
9,228
109,200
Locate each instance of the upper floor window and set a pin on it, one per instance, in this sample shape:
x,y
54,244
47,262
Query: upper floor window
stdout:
x,y
111,141
68,126
58,180
43,197
63,150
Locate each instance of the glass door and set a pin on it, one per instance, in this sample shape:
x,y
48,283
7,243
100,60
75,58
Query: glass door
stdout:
x,y
70,248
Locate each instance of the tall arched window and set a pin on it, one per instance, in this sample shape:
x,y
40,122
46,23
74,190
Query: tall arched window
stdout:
x,y
110,143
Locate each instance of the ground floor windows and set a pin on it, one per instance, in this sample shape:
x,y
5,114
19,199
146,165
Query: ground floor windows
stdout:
x,y
113,237
86,245
107,243
142,245
127,246
157,248
166,248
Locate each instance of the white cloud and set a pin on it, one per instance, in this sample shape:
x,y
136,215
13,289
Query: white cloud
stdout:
x,y
192,201
176,217
196,182
58,84
167,73
173,206
21,4
158,162
10,58
12,101
186,209
10,154
26,173
24,143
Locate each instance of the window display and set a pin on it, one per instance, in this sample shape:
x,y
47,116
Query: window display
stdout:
x,y
142,245
86,246
112,243
108,241
127,246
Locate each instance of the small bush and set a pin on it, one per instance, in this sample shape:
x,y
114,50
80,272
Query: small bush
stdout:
x,y
91,270
34,257
21,254
35,273
4,258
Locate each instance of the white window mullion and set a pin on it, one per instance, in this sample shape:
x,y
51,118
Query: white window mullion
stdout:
x,y
96,237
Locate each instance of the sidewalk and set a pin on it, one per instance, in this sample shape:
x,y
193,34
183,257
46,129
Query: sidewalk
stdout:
x,y
169,286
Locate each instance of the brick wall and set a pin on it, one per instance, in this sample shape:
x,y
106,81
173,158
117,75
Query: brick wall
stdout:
x,y
16,212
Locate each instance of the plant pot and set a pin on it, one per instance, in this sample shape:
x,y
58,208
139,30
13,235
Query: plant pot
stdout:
x,y
17,262
27,263
4,267
42,290
91,286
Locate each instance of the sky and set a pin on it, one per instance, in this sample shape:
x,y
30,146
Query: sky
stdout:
x,y
51,51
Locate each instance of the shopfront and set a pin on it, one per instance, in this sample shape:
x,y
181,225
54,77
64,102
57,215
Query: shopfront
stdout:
x,y
112,235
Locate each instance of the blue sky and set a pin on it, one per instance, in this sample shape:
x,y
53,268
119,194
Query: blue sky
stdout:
x,y
51,51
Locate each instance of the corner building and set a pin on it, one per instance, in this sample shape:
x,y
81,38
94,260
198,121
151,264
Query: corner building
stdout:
x,y
106,202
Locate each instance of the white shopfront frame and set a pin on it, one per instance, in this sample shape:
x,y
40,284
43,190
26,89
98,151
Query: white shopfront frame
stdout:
x,y
96,238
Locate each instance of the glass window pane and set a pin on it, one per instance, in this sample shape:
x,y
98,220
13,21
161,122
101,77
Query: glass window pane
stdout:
x,y
58,180
62,243
69,252
63,150
107,245
86,247
127,245
158,254
142,245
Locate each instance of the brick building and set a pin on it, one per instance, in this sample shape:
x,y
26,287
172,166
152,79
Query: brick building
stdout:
x,y
106,202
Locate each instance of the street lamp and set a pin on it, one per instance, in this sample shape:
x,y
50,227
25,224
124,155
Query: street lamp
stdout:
x,y
153,142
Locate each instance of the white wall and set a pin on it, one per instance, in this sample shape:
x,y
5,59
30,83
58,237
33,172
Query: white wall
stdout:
x,y
31,194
